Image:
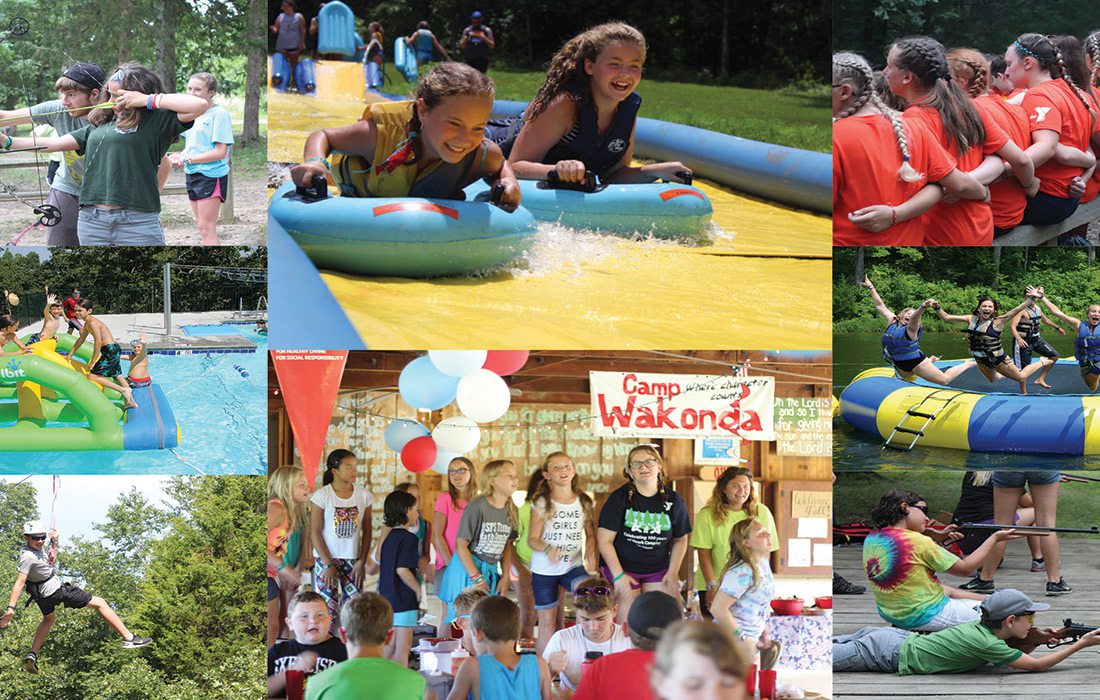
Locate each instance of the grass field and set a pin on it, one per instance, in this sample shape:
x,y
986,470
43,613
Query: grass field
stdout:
x,y
855,494
800,119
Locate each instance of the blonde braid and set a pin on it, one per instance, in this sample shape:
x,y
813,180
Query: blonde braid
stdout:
x,y
855,69
1092,47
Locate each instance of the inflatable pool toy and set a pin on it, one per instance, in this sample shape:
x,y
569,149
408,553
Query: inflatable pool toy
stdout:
x,y
372,74
304,77
404,60
280,72
403,237
44,389
663,210
336,29
360,50
972,414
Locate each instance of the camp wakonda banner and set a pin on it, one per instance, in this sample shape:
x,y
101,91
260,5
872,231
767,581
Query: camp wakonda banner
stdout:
x,y
634,404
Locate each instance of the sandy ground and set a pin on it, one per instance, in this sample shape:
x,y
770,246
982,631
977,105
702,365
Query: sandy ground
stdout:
x,y
248,229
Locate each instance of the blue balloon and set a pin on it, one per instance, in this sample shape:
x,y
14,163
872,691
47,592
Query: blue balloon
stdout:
x,y
422,386
401,431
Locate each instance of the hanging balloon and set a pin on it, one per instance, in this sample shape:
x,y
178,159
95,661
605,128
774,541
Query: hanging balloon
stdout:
x,y
442,461
505,362
399,432
457,363
458,434
423,386
419,454
483,396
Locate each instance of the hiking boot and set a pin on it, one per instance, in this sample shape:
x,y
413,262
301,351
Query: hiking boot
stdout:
x,y
978,585
135,641
1060,588
842,586
30,662
1038,565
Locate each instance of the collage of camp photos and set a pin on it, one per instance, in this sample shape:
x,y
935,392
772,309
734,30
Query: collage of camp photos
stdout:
x,y
569,351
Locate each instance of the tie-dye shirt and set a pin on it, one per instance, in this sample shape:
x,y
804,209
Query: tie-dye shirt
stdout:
x,y
901,566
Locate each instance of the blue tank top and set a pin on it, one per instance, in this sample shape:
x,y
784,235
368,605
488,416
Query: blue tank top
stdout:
x,y
1087,345
498,682
424,45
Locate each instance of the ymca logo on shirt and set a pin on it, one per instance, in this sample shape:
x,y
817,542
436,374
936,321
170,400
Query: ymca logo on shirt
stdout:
x,y
1041,113
644,521
344,522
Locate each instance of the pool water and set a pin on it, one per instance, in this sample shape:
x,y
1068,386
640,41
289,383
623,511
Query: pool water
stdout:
x,y
245,330
222,416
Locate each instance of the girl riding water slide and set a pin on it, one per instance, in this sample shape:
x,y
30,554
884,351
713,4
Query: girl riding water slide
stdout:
x,y
583,116
901,343
432,146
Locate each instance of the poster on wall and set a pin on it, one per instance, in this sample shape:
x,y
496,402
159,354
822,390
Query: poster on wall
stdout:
x,y
804,427
718,451
647,405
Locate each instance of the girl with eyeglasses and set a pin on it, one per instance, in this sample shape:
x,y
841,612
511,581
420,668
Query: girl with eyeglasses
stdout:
x,y
902,557
643,531
461,489
561,538
732,501
595,631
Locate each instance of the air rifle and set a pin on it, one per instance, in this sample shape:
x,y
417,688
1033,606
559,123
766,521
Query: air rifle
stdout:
x,y
1070,633
1030,529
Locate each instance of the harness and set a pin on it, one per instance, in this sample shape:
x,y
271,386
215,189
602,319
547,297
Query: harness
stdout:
x,y
985,342
897,346
1087,345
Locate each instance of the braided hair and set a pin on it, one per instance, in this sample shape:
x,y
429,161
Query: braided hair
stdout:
x,y
567,66
970,69
853,69
1046,53
447,79
1092,48
664,486
926,59
541,493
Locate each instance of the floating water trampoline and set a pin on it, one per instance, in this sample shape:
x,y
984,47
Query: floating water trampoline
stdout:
x,y
973,414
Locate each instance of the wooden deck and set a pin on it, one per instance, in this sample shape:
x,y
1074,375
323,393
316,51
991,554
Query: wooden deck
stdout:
x,y
1075,678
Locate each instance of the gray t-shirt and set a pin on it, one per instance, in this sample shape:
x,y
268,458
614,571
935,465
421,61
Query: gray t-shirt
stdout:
x,y
38,569
71,172
487,529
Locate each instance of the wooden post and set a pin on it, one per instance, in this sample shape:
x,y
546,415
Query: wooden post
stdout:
x,y
225,216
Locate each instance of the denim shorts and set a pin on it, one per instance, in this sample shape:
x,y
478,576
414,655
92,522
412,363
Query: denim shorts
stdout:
x,y
1016,480
546,587
119,227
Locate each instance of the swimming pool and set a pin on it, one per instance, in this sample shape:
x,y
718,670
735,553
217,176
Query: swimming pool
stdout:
x,y
222,416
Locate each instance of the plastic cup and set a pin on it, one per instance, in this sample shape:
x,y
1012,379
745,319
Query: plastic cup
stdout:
x,y
750,681
767,684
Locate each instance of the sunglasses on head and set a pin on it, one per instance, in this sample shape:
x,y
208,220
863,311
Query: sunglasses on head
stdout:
x,y
584,591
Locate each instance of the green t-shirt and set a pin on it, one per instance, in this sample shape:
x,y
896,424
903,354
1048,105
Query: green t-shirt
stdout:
x,y
958,649
121,168
71,171
522,548
901,566
348,680
716,538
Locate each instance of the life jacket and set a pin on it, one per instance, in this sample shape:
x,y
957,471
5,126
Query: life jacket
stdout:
x,y
393,171
985,342
897,345
598,153
1087,345
1028,326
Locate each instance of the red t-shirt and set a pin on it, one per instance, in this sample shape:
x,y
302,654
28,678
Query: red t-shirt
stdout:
x,y
966,222
1092,187
623,675
68,307
1054,106
1007,197
866,159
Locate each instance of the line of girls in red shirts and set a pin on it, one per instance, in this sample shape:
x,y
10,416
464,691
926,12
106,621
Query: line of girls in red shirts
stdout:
x,y
952,148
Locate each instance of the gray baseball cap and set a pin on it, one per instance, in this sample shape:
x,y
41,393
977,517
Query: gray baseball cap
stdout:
x,y
1009,601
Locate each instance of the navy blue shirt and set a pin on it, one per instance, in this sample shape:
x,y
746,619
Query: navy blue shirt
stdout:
x,y
400,550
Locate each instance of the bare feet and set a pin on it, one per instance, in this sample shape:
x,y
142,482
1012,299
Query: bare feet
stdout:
x,y
1041,382
130,403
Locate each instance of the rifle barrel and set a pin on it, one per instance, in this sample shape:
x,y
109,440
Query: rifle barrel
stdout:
x,y
1094,530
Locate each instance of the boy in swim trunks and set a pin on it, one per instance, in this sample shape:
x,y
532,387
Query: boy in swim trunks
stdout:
x,y
138,376
106,368
51,320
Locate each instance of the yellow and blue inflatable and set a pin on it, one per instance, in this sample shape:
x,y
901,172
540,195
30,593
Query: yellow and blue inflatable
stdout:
x,y
972,414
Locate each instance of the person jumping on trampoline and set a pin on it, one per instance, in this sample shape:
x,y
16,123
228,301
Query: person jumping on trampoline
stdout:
x,y
1025,328
901,343
1086,346
983,332
39,576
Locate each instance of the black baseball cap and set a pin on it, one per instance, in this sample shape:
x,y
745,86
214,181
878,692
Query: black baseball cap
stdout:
x,y
651,613
87,74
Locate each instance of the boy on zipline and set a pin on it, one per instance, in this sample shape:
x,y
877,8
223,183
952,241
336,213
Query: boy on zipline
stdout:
x,y
37,574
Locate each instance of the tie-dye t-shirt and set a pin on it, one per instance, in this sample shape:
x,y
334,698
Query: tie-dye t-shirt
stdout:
x,y
751,608
901,566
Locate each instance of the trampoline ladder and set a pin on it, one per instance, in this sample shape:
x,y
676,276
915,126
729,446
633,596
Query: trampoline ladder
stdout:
x,y
928,415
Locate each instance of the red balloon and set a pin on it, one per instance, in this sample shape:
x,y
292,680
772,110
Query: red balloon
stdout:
x,y
504,362
418,454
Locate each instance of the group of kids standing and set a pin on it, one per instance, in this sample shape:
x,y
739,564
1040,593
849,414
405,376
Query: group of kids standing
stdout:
x,y
115,133
957,147
580,123
618,566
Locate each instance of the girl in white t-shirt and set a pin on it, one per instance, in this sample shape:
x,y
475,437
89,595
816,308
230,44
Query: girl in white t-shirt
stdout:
x,y
561,535
744,596
340,530
595,631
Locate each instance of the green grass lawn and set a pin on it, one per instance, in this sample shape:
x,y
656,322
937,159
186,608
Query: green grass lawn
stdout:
x,y
800,119
855,494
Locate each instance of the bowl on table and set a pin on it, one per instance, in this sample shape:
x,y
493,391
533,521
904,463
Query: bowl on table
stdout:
x,y
788,606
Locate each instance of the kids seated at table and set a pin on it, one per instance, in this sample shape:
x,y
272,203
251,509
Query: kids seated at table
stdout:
x,y
312,650
499,672
595,631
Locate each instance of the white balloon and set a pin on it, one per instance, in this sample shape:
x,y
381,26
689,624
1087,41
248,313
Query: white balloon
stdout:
x,y
442,461
483,396
458,434
458,363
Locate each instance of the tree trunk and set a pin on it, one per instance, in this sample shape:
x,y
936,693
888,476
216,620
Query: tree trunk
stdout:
x,y
165,48
724,61
859,265
256,71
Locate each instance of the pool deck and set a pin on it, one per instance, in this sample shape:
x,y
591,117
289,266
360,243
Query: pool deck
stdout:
x,y
128,327
1069,680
